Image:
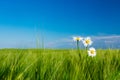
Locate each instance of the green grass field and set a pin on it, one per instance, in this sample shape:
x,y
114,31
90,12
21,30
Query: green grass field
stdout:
x,y
34,64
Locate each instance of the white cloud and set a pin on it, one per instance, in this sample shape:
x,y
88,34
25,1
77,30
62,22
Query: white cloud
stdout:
x,y
111,41
59,42
106,37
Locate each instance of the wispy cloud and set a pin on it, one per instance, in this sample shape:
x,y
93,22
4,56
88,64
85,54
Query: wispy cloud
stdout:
x,y
22,44
111,41
106,37
60,43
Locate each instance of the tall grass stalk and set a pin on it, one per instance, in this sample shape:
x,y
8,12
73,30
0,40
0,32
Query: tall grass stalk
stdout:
x,y
36,64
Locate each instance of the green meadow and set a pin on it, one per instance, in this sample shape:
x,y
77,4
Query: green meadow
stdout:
x,y
51,64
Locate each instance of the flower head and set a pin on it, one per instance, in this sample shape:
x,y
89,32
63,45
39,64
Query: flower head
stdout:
x,y
92,52
77,38
87,41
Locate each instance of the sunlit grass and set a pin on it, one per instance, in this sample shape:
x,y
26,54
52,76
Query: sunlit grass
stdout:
x,y
34,64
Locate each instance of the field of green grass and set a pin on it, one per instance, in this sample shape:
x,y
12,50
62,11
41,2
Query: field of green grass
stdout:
x,y
36,64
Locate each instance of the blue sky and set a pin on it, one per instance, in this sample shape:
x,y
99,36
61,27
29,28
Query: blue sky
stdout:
x,y
21,21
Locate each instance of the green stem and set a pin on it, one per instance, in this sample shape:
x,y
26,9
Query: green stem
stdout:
x,y
78,49
77,45
86,48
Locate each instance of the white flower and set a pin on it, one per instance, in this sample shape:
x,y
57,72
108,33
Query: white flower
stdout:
x,y
77,38
92,52
87,41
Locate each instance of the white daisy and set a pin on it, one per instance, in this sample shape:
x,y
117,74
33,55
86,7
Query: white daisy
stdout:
x,y
87,41
92,52
77,38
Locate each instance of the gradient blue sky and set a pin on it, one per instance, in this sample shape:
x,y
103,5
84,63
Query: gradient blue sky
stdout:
x,y
22,20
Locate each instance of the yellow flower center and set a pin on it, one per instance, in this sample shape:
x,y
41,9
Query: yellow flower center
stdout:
x,y
92,51
77,38
87,41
